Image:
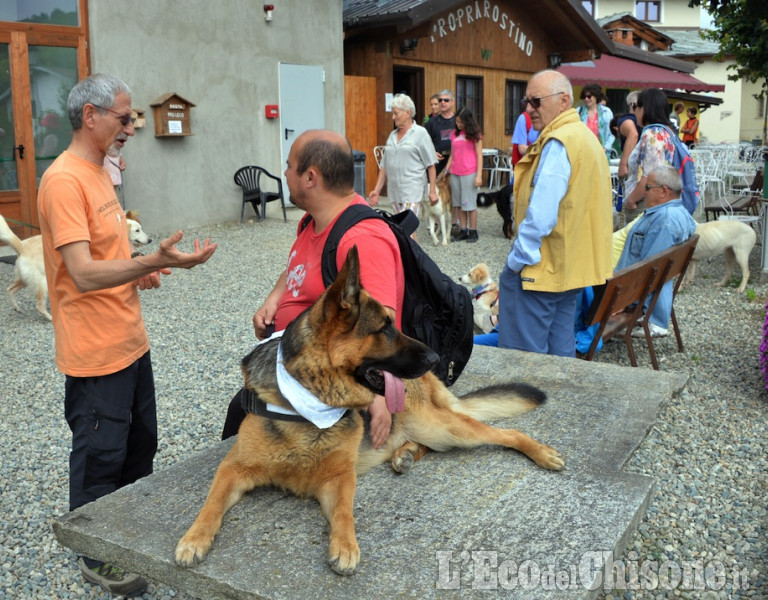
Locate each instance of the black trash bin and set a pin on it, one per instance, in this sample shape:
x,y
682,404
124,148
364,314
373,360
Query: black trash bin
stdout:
x,y
359,158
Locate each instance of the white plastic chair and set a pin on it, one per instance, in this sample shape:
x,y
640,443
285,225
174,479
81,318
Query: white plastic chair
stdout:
x,y
502,165
378,155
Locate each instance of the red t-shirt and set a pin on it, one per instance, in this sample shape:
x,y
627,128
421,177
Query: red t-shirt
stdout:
x,y
381,269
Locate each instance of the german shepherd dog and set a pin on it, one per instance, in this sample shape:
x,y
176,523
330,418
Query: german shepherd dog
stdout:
x,y
337,349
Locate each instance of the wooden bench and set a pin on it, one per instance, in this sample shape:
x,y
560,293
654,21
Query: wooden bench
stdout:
x,y
620,307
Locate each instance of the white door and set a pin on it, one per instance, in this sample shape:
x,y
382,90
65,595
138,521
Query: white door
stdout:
x,y
302,102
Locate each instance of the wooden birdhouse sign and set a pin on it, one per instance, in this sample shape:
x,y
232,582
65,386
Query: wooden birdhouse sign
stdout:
x,y
172,115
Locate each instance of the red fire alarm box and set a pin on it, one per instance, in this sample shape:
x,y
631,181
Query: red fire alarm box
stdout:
x,y
271,111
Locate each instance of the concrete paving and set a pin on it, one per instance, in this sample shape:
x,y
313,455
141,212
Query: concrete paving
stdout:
x,y
458,525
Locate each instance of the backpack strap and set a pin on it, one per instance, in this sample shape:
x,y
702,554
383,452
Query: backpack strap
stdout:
x,y
528,122
351,216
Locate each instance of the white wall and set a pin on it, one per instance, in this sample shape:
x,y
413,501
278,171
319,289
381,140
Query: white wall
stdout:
x,y
223,57
751,120
721,123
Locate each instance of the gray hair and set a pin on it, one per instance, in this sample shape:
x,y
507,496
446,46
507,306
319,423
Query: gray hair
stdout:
x,y
404,102
632,98
99,90
558,83
448,93
668,176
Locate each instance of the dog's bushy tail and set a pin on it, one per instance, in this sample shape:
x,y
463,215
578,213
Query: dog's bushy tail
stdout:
x,y
498,401
7,236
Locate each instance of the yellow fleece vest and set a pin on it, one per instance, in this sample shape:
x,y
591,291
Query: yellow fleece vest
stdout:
x,y
577,252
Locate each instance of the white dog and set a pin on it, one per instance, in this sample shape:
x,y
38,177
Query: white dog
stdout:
x,y
30,269
732,238
440,213
485,295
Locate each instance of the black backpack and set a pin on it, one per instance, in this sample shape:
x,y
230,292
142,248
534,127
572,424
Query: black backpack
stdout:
x,y
436,310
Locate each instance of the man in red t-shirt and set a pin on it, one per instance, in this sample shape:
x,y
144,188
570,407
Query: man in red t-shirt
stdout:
x,y
320,177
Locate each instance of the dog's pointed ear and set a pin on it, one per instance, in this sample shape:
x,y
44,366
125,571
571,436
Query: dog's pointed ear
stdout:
x,y
347,285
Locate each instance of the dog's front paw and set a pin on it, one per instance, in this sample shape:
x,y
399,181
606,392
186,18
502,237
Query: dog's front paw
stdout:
x,y
402,462
344,556
189,552
549,458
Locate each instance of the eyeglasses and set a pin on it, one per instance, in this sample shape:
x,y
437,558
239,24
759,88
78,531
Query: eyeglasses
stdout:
x,y
650,187
588,96
444,99
536,102
125,120
632,106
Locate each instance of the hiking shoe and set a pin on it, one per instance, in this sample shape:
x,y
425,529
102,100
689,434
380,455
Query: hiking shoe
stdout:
x,y
462,235
472,236
656,331
114,579
455,230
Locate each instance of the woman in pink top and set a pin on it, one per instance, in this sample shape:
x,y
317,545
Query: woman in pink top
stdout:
x,y
465,165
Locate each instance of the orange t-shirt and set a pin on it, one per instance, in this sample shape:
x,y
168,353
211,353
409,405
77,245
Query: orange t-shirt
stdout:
x,y
98,332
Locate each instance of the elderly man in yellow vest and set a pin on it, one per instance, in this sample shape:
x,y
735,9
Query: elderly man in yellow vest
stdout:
x,y
563,208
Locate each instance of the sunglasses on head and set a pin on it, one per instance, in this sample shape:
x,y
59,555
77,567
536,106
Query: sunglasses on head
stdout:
x,y
536,102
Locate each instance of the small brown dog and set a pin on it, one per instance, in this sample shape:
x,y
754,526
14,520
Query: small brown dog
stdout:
x,y
485,296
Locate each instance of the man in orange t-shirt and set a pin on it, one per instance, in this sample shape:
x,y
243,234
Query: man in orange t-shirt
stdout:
x,y
101,343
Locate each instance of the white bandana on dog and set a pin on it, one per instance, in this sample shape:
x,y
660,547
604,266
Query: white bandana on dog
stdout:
x,y
302,400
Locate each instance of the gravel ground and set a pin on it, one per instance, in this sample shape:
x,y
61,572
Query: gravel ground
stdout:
x,y
707,450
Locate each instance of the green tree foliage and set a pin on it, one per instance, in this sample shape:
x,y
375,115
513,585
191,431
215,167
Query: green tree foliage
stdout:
x,y
742,32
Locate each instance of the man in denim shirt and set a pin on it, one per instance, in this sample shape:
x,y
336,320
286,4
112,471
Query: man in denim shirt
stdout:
x,y
664,223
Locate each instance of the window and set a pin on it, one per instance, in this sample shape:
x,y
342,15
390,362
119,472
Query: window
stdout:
x,y
589,6
515,90
760,106
648,10
47,12
469,93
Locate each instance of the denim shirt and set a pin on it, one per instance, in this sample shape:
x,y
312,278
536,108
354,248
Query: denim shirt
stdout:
x,y
659,228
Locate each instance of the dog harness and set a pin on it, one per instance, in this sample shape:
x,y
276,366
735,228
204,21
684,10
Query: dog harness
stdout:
x,y
479,290
251,403
305,405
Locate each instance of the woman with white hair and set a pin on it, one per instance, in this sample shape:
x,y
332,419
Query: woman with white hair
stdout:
x,y
409,161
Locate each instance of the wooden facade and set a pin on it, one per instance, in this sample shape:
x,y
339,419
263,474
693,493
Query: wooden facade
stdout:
x,y
492,41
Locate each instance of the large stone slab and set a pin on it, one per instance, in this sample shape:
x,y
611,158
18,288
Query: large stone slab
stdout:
x,y
457,525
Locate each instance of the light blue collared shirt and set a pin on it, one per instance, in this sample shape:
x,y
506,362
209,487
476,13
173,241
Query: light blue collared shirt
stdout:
x,y
550,183
660,227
